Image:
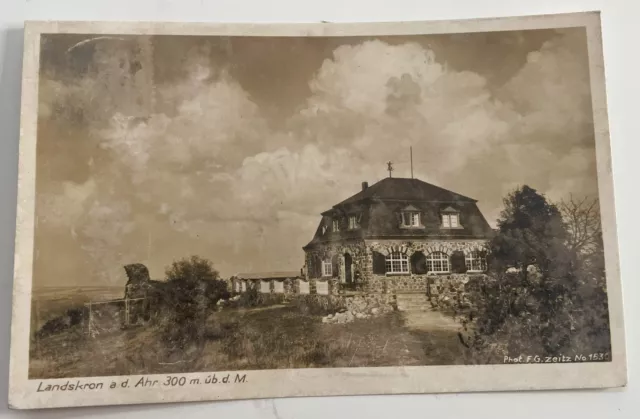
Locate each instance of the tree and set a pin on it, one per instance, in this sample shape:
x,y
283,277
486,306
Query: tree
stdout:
x,y
582,217
194,268
530,231
193,289
584,227
542,305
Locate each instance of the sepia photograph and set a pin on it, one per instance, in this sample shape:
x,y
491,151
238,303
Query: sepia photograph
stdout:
x,y
205,203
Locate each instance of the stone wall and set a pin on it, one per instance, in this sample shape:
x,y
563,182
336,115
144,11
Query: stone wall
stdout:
x,y
399,283
446,291
356,249
362,306
425,246
361,252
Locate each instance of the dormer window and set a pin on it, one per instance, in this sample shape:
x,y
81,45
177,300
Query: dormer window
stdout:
x,y
450,221
354,222
450,218
335,226
411,217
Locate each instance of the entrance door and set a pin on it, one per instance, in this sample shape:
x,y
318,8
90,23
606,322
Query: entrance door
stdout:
x,y
348,277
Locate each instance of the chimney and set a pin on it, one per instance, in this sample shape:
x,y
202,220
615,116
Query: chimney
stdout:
x,y
365,185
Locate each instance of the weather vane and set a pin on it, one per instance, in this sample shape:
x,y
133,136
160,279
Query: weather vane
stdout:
x,y
390,167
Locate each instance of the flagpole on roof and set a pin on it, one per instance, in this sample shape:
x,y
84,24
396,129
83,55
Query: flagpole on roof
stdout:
x,y
411,158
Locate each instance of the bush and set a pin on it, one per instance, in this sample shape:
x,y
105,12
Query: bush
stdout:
x,y
253,298
191,292
72,317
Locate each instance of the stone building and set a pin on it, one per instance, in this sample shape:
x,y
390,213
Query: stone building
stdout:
x,y
396,235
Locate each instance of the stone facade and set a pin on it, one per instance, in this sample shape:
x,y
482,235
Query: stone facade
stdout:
x,y
361,306
361,254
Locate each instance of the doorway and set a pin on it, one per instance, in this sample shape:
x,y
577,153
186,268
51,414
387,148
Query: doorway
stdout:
x,y
348,276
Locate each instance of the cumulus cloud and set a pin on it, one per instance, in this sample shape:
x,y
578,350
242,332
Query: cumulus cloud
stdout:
x,y
200,166
382,98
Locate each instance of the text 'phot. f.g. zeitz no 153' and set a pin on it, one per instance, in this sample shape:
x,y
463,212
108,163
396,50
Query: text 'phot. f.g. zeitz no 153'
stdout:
x,y
385,197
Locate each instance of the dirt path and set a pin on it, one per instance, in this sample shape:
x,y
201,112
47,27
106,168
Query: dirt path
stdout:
x,y
427,321
437,337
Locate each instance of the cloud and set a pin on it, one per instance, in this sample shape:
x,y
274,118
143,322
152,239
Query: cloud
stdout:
x,y
198,165
552,92
382,98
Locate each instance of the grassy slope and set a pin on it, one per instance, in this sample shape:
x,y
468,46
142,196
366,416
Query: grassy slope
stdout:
x,y
238,339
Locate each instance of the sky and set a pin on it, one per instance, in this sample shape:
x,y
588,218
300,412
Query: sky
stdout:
x,y
154,148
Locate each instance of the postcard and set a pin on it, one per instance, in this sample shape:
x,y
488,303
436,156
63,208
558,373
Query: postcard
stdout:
x,y
237,211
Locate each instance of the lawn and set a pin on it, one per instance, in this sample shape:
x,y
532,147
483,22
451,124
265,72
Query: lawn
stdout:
x,y
247,339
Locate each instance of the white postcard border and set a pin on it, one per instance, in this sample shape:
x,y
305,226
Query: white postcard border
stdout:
x,y
25,393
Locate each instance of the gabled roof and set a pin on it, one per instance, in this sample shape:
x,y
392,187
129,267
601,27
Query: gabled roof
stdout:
x,y
404,189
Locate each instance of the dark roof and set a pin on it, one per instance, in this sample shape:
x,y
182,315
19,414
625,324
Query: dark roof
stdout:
x,y
268,275
378,209
404,189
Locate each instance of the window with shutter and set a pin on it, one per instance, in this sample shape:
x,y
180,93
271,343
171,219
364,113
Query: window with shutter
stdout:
x,y
378,263
418,263
458,264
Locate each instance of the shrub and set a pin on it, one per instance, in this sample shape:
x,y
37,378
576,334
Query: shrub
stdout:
x,y
71,317
253,298
191,292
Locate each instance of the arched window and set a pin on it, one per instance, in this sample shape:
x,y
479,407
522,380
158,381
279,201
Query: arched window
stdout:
x,y
438,262
397,263
476,261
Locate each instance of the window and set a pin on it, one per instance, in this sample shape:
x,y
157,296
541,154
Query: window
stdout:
x,y
437,262
450,221
335,226
475,261
327,268
397,263
353,222
324,229
411,219
418,263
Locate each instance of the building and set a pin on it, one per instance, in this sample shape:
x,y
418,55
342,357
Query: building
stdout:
x,y
279,282
396,234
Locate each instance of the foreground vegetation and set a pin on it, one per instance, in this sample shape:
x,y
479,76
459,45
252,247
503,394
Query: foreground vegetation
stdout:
x,y
545,293
261,337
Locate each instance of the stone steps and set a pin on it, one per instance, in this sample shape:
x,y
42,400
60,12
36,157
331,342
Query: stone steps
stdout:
x,y
413,302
